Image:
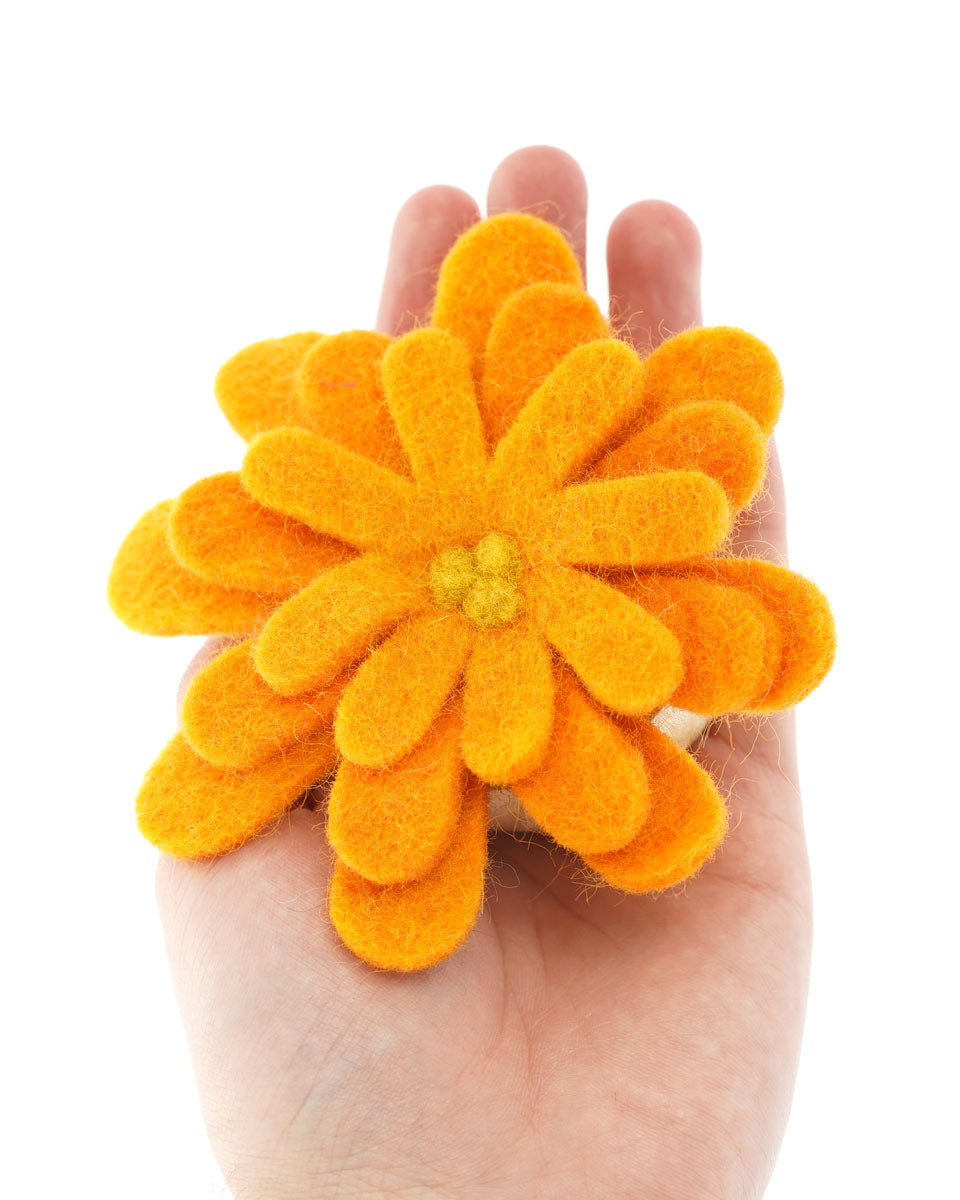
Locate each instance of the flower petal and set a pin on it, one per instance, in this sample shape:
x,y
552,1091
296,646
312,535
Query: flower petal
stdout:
x,y
393,826
624,656
431,396
394,698
331,488
151,592
507,704
731,652
407,927
643,520
335,620
533,331
590,794
218,531
802,614
685,823
715,438
591,398
192,809
714,364
255,388
339,394
489,262
232,718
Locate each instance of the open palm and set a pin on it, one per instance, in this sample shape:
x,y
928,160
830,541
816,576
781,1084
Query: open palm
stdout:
x,y
582,1043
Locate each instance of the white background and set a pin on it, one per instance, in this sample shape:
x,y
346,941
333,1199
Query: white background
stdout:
x,y
183,179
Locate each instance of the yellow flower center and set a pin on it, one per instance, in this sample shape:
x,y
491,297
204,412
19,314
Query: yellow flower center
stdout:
x,y
484,583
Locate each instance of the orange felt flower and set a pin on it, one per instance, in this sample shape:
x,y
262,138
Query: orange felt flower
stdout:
x,y
488,553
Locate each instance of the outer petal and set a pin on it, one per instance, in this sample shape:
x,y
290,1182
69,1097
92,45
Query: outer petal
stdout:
x,y
640,521
338,393
396,695
191,809
218,531
489,262
331,488
803,616
232,718
255,388
718,439
731,653
685,824
151,592
507,704
714,364
407,927
534,330
624,656
337,619
393,826
590,795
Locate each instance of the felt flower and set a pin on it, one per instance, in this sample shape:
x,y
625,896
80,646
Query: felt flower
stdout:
x,y
486,554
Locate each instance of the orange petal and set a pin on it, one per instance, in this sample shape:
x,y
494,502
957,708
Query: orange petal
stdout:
x,y
801,611
536,328
394,698
731,654
331,488
151,592
591,399
590,795
718,439
410,926
255,388
393,826
685,823
489,262
624,656
430,393
714,364
336,619
643,520
218,531
339,394
192,809
232,718
507,704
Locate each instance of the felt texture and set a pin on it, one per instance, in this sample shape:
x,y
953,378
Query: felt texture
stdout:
x,y
490,261
624,656
151,591
336,619
231,717
685,823
412,926
256,389
531,333
508,703
398,691
192,809
716,438
718,363
590,794
393,826
497,547
218,531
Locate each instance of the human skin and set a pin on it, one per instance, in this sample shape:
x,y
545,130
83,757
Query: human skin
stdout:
x,y
582,1043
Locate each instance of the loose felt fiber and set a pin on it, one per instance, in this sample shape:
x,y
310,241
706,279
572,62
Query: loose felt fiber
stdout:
x,y
497,547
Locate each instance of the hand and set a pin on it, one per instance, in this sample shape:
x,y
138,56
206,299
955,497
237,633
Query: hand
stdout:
x,y
579,1045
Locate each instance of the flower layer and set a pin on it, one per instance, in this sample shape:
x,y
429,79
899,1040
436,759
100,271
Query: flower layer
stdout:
x,y
483,554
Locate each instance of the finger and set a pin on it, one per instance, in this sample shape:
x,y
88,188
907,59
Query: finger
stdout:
x,y
547,183
426,227
653,262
